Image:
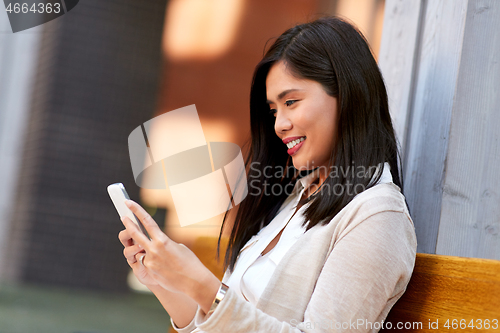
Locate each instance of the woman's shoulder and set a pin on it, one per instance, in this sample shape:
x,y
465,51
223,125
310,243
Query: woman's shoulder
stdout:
x,y
378,198
381,198
379,212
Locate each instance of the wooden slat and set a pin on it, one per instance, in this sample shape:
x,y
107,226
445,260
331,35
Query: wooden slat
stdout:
x,y
445,288
470,214
437,64
398,50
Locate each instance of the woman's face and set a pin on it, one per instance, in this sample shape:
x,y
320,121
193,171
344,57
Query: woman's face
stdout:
x,y
304,112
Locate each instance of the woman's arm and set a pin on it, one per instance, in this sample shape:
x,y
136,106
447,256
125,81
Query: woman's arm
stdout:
x,y
180,307
371,260
368,268
170,270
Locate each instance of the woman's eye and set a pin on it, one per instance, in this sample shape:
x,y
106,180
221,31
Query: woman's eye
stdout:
x,y
272,112
290,101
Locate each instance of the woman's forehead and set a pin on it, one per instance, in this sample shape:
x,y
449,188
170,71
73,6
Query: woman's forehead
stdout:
x,y
280,80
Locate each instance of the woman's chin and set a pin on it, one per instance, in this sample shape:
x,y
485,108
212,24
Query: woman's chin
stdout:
x,y
302,166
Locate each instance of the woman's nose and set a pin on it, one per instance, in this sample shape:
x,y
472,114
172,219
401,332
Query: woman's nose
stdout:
x,y
282,123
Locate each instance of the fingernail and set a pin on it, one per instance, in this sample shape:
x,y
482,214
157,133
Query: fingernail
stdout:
x,y
127,202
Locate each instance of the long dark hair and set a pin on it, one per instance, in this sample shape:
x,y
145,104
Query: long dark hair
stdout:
x,y
334,53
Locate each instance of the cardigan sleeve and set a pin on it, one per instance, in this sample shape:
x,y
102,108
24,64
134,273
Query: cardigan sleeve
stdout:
x,y
365,273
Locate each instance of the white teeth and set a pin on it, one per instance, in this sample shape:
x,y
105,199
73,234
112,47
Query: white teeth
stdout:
x,y
292,144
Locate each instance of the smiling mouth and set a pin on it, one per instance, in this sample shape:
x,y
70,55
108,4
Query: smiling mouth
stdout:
x,y
293,143
295,146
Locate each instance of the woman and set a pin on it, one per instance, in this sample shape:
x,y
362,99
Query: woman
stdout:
x,y
330,248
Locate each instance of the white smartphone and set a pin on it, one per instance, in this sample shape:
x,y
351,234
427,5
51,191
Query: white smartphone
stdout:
x,y
119,195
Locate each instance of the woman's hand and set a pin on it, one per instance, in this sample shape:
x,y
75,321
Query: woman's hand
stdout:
x,y
133,253
172,265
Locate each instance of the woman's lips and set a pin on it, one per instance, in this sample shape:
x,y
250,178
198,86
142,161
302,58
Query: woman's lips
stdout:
x,y
293,151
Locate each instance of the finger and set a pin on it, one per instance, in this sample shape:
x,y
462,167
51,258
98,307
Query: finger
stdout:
x,y
151,226
141,257
134,232
125,238
134,260
131,251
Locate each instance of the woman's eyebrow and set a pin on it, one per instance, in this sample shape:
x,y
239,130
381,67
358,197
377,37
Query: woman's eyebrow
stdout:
x,y
283,93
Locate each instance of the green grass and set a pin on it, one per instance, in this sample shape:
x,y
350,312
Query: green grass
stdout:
x,y
26,309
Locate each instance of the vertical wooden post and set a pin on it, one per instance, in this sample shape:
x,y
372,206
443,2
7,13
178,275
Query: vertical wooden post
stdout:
x,y
440,62
470,215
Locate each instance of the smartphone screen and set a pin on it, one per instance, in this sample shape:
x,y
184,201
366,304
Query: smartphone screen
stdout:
x,y
119,195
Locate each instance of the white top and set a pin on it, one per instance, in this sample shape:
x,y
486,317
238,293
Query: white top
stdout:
x,y
253,270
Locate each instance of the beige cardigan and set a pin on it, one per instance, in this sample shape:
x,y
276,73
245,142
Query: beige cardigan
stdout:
x,y
341,277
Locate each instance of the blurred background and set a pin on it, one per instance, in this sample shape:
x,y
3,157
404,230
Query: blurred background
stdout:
x,y
73,89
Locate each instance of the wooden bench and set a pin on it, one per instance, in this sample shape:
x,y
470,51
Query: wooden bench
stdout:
x,y
449,294
444,294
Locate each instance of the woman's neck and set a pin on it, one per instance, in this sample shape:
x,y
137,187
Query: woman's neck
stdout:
x,y
314,185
